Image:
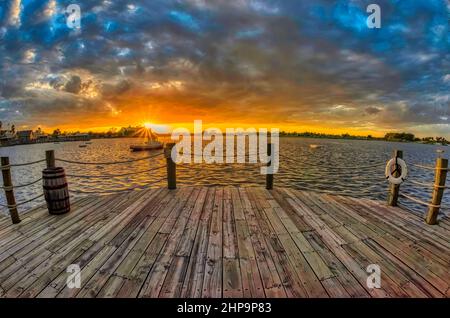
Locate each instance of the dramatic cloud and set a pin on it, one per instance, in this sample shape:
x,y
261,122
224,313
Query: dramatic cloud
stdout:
x,y
372,110
295,64
73,85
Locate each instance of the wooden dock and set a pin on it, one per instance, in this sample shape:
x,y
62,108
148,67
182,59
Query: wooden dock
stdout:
x,y
224,242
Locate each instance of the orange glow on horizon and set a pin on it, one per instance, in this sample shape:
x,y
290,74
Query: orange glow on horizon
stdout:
x,y
167,113
161,128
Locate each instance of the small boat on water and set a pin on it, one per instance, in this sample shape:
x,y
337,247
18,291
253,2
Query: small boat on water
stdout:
x,y
82,146
312,146
152,143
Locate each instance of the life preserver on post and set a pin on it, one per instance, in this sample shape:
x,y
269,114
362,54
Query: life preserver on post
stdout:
x,y
396,165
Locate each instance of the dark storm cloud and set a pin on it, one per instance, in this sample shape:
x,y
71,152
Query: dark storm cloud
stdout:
x,y
73,85
372,110
285,61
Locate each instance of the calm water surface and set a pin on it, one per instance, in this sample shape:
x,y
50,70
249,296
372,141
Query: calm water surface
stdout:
x,y
301,167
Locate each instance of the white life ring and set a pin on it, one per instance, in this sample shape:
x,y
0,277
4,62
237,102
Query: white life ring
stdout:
x,y
389,173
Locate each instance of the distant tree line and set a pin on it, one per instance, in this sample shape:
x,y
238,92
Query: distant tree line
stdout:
x,y
110,133
327,136
410,137
134,132
399,137
395,136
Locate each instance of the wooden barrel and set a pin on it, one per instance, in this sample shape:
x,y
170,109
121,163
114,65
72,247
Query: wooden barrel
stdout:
x,y
56,190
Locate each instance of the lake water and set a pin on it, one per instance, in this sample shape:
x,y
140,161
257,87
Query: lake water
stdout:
x,y
301,166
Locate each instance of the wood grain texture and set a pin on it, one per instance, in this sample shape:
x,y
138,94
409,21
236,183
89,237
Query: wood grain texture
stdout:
x,y
227,241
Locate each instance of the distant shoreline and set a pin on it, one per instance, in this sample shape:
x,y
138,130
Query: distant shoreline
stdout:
x,y
281,136
369,139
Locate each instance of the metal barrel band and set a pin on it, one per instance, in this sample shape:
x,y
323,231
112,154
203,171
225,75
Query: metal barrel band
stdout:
x,y
60,200
59,209
55,177
58,187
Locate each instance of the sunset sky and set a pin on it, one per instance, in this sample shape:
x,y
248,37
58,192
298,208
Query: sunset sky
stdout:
x,y
294,65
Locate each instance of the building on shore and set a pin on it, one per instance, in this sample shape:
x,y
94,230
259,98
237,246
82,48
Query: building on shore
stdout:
x,y
25,137
42,137
74,137
7,137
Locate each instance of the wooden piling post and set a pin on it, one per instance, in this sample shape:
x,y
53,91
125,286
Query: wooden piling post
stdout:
x,y
438,191
9,192
269,176
171,167
394,188
50,158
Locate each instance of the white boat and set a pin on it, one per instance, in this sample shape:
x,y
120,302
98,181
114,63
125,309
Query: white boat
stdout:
x,y
314,146
152,143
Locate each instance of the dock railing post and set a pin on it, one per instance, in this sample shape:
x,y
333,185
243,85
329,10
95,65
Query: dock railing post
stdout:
x,y
9,192
269,176
438,190
50,158
394,188
171,167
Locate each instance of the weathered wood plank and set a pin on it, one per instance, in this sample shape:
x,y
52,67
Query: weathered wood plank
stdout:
x,y
139,273
97,254
271,248
224,242
193,282
271,279
176,222
23,257
212,282
232,282
353,287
